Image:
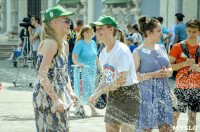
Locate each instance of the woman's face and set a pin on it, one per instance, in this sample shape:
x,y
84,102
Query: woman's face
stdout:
x,y
63,24
87,34
103,32
156,34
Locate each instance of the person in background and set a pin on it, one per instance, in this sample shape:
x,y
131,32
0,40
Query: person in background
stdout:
x,y
16,52
180,34
170,41
95,38
137,36
35,37
85,54
180,29
71,39
130,43
129,30
79,26
163,39
187,88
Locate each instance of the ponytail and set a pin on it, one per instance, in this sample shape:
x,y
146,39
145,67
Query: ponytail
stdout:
x,y
120,32
121,35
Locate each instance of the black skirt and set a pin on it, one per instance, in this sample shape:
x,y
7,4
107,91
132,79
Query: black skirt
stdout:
x,y
123,105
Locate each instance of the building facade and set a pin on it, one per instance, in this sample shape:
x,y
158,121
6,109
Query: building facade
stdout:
x,y
12,12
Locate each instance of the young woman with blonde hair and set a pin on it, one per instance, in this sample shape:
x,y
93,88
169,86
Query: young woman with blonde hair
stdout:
x,y
52,96
119,79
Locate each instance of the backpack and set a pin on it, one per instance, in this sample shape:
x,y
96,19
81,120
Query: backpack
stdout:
x,y
186,51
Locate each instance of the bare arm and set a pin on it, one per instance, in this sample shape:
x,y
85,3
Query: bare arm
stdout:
x,y
178,66
167,46
120,81
169,70
102,84
34,36
162,73
169,35
67,49
75,58
48,51
73,96
176,39
141,76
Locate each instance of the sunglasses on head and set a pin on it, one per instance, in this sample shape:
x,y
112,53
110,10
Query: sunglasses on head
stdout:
x,y
68,21
149,23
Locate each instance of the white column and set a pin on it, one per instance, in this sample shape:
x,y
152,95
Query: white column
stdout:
x,y
57,1
189,9
164,11
91,11
9,15
173,9
137,9
22,10
14,16
84,11
50,3
2,12
43,8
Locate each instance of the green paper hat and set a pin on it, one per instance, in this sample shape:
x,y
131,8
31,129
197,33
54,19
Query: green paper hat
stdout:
x,y
105,20
54,12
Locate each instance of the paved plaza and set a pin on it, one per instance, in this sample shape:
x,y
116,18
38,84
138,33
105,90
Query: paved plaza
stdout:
x,y
16,111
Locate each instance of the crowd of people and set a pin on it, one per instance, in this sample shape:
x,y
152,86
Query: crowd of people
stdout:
x,y
78,65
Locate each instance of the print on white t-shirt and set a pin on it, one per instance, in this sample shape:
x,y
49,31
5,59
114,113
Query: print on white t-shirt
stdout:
x,y
119,59
109,72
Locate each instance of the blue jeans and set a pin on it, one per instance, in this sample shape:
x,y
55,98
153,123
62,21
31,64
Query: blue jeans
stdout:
x,y
35,56
71,69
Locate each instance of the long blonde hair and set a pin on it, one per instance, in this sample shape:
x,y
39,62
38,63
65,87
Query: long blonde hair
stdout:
x,y
49,33
85,28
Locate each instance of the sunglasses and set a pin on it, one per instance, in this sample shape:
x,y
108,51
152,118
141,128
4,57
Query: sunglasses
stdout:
x,y
68,21
149,23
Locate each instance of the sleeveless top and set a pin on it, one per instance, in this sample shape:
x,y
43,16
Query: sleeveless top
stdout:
x,y
58,76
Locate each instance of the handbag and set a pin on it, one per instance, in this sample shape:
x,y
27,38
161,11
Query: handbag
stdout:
x,y
102,101
173,99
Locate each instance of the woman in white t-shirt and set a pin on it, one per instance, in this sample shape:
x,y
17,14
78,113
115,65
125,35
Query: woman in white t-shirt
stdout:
x,y
119,79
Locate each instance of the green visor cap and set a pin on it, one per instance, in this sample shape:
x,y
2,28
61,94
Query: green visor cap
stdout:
x,y
54,12
105,20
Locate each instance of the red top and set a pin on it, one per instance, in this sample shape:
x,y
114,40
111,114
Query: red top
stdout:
x,y
185,78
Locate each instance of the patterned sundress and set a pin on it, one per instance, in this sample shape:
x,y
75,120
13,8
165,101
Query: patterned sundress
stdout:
x,y
155,107
47,120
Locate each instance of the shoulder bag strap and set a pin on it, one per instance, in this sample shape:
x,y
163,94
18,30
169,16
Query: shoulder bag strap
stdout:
x,y
185,48
161,68
197,54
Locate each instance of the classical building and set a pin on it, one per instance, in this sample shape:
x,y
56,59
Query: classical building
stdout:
x,y
12,12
